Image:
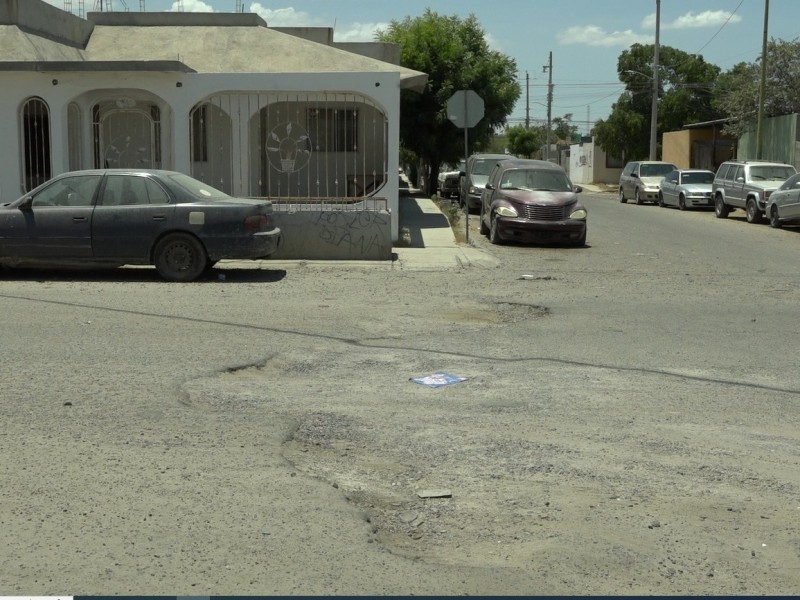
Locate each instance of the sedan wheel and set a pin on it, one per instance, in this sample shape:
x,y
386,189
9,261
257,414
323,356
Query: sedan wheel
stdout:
x,y
753,214
682,202
637,196
180,257
661,200
774,218
494,237
622,197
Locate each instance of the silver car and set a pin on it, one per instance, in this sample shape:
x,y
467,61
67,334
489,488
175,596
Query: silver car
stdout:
x,y
686,188
783,206
641,180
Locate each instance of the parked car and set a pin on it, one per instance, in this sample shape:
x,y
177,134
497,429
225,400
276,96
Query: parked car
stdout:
x,y
686,188
450,180
747,184
531,201
475,176
641,180
116,216
783,206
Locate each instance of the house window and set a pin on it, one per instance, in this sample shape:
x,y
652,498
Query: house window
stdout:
x,y
35,126
199,133
332,129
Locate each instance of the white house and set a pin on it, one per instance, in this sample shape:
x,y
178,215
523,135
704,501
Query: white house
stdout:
x,y
589,163
251,110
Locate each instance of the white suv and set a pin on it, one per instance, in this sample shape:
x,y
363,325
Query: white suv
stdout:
x,y
747,184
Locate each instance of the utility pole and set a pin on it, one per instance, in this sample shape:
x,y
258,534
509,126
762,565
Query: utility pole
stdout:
x,y
762,87
527,101
654,106
549,69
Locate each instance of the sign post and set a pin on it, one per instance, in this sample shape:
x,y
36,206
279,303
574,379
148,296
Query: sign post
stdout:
x,y
465,109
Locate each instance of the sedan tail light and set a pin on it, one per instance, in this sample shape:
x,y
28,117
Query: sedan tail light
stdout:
x,y
258,223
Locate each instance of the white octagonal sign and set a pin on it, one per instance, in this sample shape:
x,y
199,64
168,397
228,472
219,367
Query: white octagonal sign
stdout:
x,y
465,108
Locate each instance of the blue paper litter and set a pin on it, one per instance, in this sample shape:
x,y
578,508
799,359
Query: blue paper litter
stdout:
x,y
438,379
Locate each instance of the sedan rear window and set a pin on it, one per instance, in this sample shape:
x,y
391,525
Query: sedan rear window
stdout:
x,y
196,188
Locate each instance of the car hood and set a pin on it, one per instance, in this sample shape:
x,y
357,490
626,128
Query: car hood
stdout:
x,y
696,187
652,181
540,197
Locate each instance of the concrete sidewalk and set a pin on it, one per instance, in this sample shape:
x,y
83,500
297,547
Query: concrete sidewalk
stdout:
x,y
427,242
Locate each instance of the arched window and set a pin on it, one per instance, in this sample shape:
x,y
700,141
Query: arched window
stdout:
x,y
35,128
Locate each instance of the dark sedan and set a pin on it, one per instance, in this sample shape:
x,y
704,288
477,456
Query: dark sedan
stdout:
x,y
119,216
532,201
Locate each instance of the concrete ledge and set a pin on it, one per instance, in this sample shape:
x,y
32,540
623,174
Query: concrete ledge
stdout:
x,y
312,234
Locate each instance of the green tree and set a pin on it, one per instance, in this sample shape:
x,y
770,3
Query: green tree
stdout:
x,y
525,142
737,96
685,93
455,55
563,129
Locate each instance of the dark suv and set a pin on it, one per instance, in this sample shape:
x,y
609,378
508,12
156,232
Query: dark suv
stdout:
x,y
474,178
531,201
747,184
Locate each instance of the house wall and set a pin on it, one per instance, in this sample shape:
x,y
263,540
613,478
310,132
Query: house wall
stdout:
x,y
676,147
588,164
176,94
697,148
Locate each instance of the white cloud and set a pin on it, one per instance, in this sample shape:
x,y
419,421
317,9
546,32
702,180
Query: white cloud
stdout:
x,y
359,32
283,17
708,18
192,6
591,35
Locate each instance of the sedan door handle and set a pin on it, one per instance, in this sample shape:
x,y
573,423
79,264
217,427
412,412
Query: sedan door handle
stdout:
x,y
159,218
79,219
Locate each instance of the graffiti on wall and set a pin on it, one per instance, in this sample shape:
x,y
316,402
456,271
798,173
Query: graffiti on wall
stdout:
x,y
358,232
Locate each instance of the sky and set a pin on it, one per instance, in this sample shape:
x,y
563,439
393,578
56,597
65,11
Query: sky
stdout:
x,y
585,37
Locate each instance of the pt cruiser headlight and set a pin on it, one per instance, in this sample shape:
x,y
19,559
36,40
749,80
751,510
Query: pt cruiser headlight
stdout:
x,y
578,214
507,211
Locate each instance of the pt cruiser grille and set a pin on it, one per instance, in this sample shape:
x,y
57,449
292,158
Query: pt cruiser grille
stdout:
x,y
546,213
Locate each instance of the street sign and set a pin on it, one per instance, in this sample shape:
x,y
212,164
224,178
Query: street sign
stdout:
x,y
465,108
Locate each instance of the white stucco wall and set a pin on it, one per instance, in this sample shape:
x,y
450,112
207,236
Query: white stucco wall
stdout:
x,y
176,94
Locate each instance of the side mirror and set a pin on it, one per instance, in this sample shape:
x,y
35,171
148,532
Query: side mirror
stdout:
x,y
489,186
578,189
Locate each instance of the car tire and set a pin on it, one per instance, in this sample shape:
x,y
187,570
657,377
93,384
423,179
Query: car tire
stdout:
x,y
180,257
682,202
753,214
622,197
494,236
774,218
721,210
661,200
581,241
637,196
481,224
